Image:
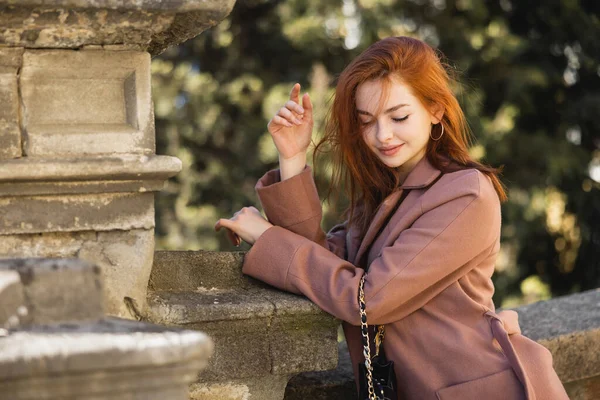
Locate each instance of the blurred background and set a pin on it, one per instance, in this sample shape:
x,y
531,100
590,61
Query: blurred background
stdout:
x,y
529,85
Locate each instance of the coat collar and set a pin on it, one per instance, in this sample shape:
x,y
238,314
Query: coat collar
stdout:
x,y
421,176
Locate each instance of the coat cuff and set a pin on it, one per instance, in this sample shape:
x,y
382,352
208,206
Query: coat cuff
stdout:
x,y
290,202
270,258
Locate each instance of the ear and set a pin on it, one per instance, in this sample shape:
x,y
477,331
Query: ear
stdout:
x,y
437,112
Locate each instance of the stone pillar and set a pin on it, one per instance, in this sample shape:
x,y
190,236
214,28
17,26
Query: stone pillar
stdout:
x,y
77,145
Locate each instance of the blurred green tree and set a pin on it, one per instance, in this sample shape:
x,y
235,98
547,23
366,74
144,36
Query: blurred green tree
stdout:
x,y
530,86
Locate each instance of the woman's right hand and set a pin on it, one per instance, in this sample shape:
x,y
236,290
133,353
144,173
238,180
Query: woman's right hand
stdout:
x,y
291,128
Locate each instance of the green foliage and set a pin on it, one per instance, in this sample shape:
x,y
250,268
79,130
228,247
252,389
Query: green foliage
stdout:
x,y
529,86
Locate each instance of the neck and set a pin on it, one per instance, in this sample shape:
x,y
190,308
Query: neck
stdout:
x,y
405,169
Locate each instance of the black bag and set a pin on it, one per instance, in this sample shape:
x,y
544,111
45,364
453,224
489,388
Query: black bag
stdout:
x,y
384,379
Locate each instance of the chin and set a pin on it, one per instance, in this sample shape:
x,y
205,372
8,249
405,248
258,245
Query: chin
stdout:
x,y
392,163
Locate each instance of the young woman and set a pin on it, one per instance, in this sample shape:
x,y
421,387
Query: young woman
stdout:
x,y
423,227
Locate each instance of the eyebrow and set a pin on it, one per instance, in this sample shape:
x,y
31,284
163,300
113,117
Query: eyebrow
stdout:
x,y
389,110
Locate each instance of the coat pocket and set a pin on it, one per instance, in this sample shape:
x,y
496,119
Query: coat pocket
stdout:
x,y
503,385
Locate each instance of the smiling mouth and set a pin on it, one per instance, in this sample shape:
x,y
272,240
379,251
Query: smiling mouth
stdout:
x,y
391,149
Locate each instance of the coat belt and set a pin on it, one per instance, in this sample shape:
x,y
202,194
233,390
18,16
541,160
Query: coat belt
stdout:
x,y
503,324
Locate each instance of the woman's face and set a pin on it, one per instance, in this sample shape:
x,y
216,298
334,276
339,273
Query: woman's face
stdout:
x,y
398,135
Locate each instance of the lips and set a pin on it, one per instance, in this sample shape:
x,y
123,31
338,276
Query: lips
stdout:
x,y
390,150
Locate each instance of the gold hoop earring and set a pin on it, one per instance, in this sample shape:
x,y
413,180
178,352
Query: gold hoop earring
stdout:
x,y
440,135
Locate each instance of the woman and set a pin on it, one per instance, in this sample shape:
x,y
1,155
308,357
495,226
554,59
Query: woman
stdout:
x,y
424,220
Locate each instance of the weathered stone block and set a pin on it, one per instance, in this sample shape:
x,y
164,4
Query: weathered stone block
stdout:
x,y
109,359
99,212
569,326
11,298
197,271
10,132
67,24
585,389
87,102
151,25
125,259
57,290
270,387
238,321
325,385
297,321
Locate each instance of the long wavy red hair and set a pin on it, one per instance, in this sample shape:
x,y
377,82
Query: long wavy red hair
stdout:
x,y
365,179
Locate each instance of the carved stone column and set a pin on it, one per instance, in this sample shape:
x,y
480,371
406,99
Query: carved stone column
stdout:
x,y
77,145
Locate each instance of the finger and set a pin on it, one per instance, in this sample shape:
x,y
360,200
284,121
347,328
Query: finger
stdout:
x,y
307,104
233,238
224,223
295,93
294,107
281,121
289,116
228,225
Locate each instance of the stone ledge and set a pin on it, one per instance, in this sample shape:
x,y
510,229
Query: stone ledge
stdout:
x,y
256,331
113,167
150,5
569,326
260,333
144,25
75,213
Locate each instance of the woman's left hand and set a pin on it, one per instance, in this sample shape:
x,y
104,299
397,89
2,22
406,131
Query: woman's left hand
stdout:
x,y
247,224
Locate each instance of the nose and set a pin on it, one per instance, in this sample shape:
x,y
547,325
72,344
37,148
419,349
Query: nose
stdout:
x,y
383,132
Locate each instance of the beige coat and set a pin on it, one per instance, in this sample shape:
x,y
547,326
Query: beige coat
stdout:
x,y
429,282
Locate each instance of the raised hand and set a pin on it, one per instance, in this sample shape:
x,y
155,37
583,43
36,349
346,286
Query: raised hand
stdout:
x,y
291,128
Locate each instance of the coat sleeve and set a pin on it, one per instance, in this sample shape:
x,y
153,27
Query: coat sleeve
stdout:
x,y
458,227
294,204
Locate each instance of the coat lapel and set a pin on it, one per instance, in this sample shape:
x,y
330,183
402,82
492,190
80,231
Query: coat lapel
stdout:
x,y
380,216
422,175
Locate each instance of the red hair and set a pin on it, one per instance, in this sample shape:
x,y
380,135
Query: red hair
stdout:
x,y
366,180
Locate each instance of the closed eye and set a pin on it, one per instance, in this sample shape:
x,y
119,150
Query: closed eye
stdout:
x,y
399,119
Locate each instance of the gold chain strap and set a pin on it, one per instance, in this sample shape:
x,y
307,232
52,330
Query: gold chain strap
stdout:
x,y
365,334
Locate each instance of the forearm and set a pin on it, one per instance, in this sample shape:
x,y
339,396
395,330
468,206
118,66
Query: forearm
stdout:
x,y
292,166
